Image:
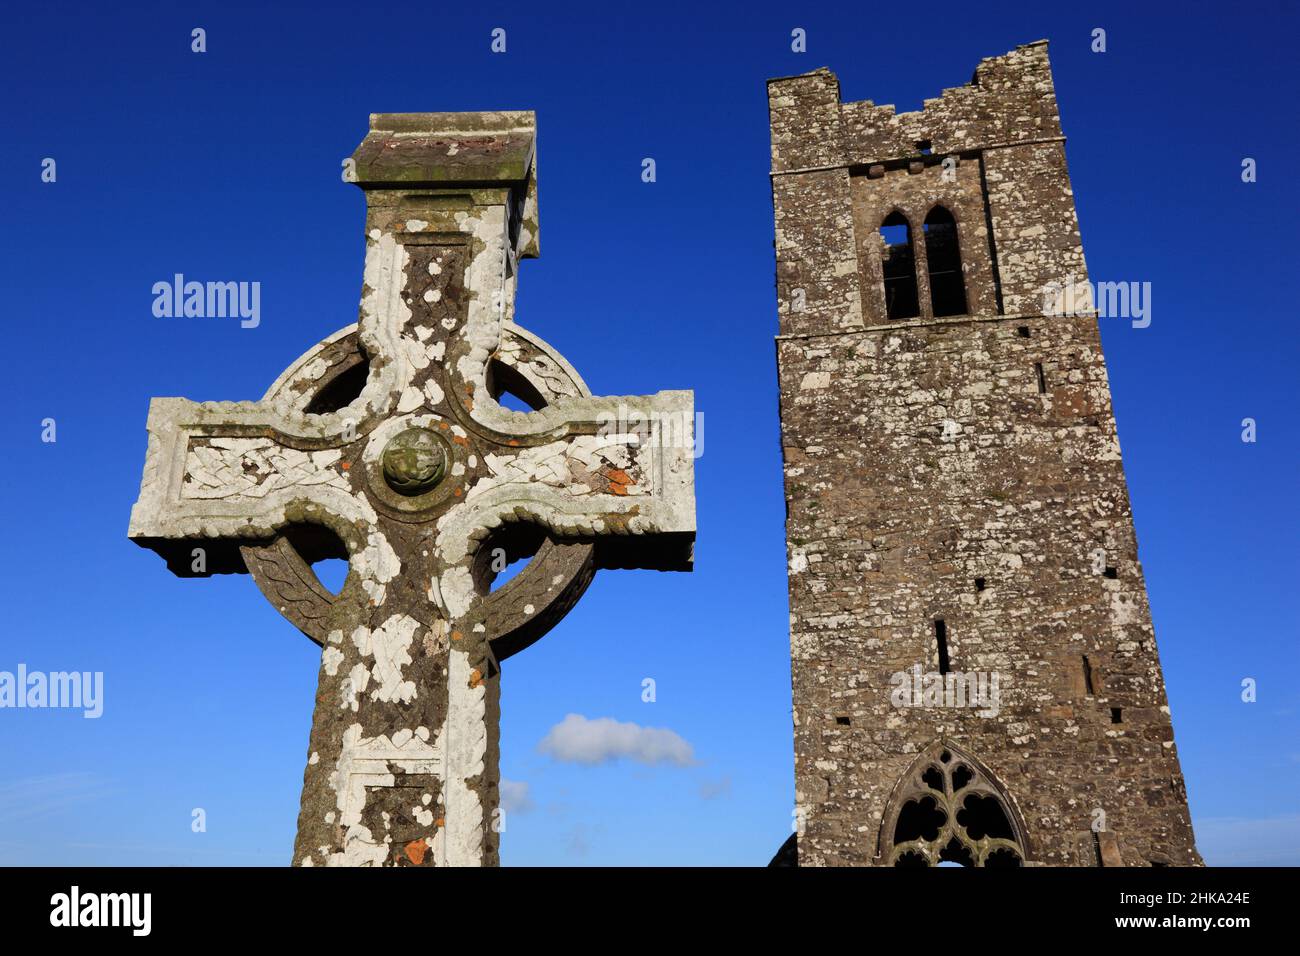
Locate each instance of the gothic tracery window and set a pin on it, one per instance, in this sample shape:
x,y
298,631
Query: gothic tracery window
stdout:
x,y
948,811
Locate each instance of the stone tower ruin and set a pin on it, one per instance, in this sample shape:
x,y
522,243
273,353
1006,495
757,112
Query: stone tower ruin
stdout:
x,y
974,667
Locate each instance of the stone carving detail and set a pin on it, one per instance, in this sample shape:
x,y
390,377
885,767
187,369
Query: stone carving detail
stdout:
x,y
252,467
415,461
291,586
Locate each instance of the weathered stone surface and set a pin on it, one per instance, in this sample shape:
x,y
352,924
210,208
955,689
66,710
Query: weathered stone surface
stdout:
x,y
958,468
387,440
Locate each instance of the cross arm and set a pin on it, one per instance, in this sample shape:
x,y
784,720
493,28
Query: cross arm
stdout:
x,y
220,474
610,483
617,473
612,468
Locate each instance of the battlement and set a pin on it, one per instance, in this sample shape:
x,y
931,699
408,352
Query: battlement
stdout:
x,y
962,208
1009,100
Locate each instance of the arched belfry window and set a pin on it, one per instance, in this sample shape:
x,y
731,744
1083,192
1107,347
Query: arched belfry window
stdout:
x,y
949,809
899,261
943,257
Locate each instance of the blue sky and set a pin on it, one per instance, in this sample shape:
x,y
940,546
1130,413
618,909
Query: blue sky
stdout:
x,y
225,166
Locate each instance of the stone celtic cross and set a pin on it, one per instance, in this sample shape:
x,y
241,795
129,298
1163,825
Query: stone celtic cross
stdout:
x,y
386,443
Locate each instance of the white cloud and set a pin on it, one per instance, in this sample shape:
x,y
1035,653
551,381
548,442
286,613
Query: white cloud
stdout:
x,y
576,739
514,796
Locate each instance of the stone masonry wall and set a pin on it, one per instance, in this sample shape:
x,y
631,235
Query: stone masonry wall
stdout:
x,y
923,454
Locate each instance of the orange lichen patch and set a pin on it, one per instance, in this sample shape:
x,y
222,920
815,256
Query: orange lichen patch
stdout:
x,y
443,425
455,635
475,678
618,480
514,442
345,465
415,851
440,822
460,441
456,492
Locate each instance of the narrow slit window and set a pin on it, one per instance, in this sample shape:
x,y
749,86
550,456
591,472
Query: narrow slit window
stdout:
x,y
943,256
1116,715
1042,380
901,298
941,641
1087,676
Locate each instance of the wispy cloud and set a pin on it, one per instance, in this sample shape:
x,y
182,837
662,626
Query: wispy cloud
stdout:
x,y
712,789
33,797
1249,841
577,739
579,844
515,797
